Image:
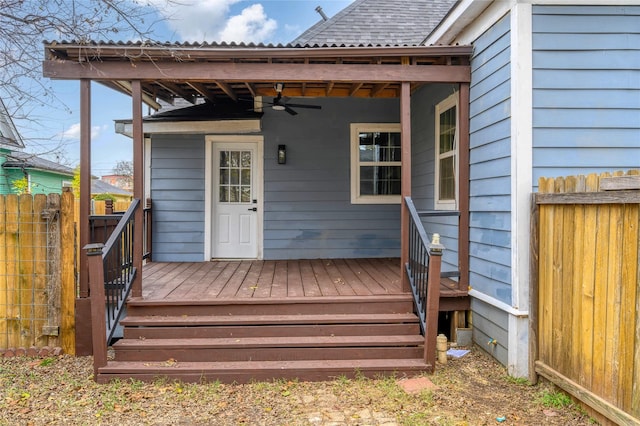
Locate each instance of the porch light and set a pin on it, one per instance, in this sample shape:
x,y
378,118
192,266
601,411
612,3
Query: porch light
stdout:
x,y
282,154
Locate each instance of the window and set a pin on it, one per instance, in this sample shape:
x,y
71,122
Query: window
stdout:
x,y
446,177
376,164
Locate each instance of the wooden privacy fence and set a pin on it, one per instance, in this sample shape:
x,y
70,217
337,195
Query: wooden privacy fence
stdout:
x,y
37,279
585,314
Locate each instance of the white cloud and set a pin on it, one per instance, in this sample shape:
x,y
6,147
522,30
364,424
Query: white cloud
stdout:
x,y
252,25
73,132
210,20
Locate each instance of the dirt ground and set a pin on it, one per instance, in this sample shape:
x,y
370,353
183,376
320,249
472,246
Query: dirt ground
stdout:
x,y
473,390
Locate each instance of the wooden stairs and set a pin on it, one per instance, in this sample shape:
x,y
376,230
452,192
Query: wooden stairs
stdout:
x,y
244,340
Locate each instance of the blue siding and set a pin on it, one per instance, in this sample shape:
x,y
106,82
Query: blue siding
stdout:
x,y
308,210
586,89
423,167
177,191
490,169
490,324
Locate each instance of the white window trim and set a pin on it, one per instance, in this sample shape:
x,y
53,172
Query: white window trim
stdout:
x,y
450,102
356,198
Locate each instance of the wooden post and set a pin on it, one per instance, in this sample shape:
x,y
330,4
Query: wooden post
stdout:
x,y
96,283
405,125
533,291
433,301
67,279
148,219
138,189
85,179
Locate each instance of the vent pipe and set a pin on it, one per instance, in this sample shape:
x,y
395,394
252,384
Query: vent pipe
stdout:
x,y
321,12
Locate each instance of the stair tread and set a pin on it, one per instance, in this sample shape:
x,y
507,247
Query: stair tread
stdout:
x,y
281,342
403,297
132,367
161,320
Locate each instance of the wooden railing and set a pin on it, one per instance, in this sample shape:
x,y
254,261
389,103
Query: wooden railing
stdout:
x,y
110,277
423,272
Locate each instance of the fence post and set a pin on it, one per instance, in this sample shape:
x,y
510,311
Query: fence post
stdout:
x,y
433,300
98,315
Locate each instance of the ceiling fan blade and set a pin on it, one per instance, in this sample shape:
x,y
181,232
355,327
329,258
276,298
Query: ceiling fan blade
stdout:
x,y
289,110
305,106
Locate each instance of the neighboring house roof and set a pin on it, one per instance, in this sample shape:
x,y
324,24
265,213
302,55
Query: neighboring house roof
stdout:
x,y
208,111
20,160
9,135
378,23
101,187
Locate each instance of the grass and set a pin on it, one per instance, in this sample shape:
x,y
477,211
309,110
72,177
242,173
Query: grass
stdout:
x,y
520,381
555,399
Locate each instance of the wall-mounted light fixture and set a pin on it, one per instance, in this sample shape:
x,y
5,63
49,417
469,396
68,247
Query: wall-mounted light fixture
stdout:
x,y
282,154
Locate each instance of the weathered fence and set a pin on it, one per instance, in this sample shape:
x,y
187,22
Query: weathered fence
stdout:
x,y
37,279
586,290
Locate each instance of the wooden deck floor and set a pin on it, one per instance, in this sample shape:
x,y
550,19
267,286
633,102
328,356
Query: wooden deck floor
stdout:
x,y
264,279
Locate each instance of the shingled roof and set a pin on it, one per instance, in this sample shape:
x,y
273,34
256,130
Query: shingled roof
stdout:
x,y
378,23
24,160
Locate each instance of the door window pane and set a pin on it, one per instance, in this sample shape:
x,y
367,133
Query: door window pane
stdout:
x,y
235,176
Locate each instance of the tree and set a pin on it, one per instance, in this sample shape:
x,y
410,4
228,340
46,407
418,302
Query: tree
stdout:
x,y
25,24
123,168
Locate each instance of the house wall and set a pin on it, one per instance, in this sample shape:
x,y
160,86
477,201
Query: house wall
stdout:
x,y
308,210
490,185
177,192
586,89
307,201
423,103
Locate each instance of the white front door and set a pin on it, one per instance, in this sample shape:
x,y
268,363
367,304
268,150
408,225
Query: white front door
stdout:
x,y
235,200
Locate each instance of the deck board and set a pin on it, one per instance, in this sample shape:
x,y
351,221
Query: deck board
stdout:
x,y
270,279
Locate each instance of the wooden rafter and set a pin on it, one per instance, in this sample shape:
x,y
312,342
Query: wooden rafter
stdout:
x,y
378,88
227,89
202,89
329,87
177,91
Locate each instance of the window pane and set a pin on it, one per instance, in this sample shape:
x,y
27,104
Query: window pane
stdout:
x,y
447,130
224,194
234,194
224,176
379,146
246,194
246,159
235,176
224,159
447,182
246,177
380,180
234,160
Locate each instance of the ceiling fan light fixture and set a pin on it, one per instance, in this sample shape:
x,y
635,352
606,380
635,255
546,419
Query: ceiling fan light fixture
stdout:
x,y
278,107
278,87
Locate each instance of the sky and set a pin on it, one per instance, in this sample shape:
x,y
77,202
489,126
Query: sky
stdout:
x,y
260,21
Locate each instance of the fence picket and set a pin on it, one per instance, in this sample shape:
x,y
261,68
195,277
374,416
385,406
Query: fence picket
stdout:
x,y
40,300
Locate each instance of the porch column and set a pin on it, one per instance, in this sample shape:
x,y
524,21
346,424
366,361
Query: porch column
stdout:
x,y
138,190
463,187
405,128
85,181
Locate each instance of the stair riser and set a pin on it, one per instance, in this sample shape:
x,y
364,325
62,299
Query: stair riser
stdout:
x,y
372,308
249,376
270,331
266,354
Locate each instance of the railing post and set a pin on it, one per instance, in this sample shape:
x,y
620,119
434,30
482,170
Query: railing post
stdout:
x,y
98,315
433,300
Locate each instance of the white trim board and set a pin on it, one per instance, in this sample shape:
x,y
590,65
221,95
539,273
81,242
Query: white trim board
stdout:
x,y
193,127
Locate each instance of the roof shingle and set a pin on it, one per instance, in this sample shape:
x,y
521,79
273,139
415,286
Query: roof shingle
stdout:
x,y
378,23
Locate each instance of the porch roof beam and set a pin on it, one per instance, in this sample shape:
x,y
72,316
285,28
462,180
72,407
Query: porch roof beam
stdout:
x,y
255,72
202,89
131,51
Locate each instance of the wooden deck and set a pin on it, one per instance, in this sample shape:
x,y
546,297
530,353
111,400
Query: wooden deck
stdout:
x,y
270,279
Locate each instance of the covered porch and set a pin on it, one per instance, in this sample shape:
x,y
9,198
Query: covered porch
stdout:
x,y
215,72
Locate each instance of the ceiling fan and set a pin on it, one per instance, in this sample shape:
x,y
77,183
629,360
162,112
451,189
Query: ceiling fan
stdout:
x,y
281,103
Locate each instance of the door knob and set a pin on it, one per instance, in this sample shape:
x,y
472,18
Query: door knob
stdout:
x,y
254,209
